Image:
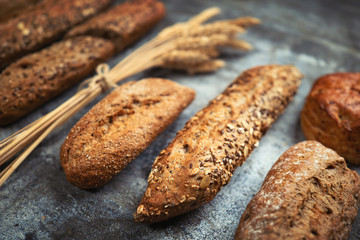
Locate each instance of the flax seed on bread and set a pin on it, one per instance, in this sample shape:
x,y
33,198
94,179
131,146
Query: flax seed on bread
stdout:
x,y
203,156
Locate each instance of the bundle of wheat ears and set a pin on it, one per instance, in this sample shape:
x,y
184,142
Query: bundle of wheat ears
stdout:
x,y
191,46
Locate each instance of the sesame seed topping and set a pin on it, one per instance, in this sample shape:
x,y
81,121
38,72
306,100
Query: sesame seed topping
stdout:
x,y
183,199
140,209
194,172
148,193
246,151
205,182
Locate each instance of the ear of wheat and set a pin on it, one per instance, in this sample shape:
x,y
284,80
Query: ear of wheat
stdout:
x,y
190,46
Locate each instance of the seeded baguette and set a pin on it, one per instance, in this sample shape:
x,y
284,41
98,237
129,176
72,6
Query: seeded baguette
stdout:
x,y
36,78
119,128
309,193
123,23
204,154
45,23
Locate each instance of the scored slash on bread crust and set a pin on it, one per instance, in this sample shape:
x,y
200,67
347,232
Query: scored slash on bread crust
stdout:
x,y
204,154
45,23
117,129
309,193
331,114
123,23
36,78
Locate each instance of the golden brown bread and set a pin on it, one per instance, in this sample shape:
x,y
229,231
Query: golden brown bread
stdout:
x,y
123,23
309,193
45,23
117,129
331,114
204,154
36,78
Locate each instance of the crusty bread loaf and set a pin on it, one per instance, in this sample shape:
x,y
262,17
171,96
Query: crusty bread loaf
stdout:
x,y
119,128
309,193
34,79
203,156
46,22
331,114
123,23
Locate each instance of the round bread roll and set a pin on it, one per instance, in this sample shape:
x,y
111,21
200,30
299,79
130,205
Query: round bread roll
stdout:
x,y
331,114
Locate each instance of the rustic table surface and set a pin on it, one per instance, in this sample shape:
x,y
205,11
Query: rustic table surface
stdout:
x,y
318,37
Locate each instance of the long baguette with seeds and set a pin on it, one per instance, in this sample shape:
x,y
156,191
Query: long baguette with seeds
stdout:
x,y
204,154
119,128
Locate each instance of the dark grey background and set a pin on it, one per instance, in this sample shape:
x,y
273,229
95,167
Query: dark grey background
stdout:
x,y
318,37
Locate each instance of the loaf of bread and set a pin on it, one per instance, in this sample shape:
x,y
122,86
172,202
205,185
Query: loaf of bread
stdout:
x,y
34,79
119,128
124,23
309,193
331,114
204,154
46,22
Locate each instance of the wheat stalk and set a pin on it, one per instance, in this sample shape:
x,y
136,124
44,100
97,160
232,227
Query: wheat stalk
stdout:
x,y
190,46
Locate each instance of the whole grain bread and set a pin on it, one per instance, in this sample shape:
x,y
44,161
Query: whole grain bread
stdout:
x,y
331,114
123,23
309,193
45,23
117,129
36,78
205,153
12,8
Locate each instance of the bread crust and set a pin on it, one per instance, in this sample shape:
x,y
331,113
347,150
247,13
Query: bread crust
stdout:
x,y
309,193
36,78
13,8
204,154
117,129
331,114
45,23
123,23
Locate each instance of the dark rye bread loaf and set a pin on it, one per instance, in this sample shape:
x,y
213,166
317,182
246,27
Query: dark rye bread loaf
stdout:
x,y
123,23
331,114
117,129
34,79
309,193
46,22
205,153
